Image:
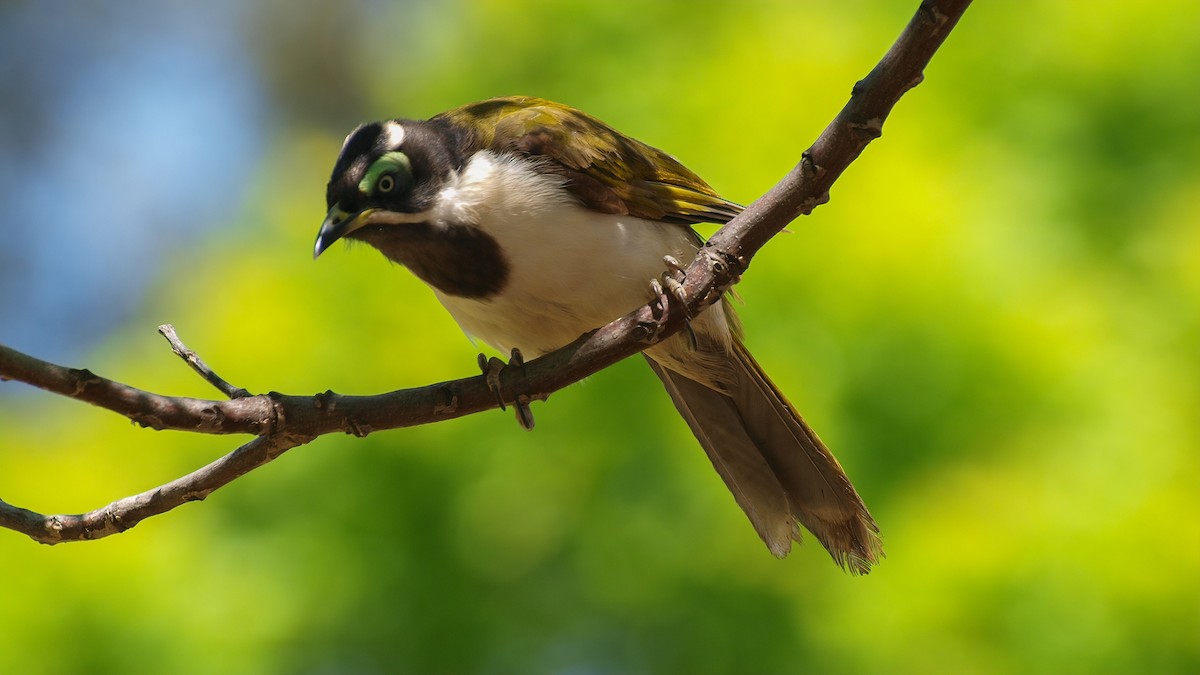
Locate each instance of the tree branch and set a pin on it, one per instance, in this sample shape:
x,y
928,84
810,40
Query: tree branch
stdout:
x,y
125,513
282,422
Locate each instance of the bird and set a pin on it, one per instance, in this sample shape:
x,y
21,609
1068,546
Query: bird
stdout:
x,y
534,223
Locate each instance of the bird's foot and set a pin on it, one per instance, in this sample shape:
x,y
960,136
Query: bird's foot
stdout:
x,y
673,280
491,369
668,291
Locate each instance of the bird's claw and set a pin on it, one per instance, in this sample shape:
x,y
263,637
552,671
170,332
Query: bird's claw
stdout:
x,y
672,281
522,411
680,297
668,289
675,266
491,369
658,307
675,288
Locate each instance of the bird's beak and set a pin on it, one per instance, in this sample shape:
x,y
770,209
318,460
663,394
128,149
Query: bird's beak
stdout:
x,y
338,223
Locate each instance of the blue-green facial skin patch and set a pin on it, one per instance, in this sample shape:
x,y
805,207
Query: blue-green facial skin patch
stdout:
x,y
395,163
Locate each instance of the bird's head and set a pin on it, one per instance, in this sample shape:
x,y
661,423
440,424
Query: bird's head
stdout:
x,y
388,173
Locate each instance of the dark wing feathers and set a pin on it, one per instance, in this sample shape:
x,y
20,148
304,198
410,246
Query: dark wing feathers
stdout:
x,y
606,170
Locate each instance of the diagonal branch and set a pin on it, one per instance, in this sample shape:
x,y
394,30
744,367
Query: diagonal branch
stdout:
x,y
125,513
282,422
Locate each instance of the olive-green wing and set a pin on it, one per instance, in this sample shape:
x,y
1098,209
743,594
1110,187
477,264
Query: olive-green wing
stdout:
x,y
606,170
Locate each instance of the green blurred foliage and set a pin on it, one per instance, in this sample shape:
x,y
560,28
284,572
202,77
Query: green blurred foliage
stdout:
x,y
993,323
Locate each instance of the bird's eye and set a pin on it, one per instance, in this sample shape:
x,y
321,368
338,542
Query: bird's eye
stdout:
x,y
387,183
390,174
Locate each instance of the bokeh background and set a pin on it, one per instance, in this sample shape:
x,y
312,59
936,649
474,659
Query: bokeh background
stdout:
x,y
993,323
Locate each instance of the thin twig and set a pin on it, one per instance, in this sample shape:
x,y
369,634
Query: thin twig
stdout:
x,y
123,514
283,422
198,364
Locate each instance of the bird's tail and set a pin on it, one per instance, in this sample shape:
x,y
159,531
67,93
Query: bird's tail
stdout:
x,y
778,470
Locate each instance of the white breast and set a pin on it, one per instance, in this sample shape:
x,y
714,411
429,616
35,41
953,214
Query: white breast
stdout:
x,y
571,269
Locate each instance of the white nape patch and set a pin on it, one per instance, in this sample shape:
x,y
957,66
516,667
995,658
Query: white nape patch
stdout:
x,y
570,269
394,131
501,192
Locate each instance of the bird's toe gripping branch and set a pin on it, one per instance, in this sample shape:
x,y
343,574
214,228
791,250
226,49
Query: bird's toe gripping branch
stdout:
x,y
491,369
667,291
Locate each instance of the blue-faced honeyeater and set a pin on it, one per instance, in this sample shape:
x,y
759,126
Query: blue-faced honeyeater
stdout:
x,y
534,223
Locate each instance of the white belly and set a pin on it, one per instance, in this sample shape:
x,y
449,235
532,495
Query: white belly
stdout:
x,y
571,269
585,270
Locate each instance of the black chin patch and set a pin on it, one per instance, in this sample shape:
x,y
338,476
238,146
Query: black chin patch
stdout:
x,y
458,260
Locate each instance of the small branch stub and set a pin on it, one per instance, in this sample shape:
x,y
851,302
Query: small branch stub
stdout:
x,y
198,365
